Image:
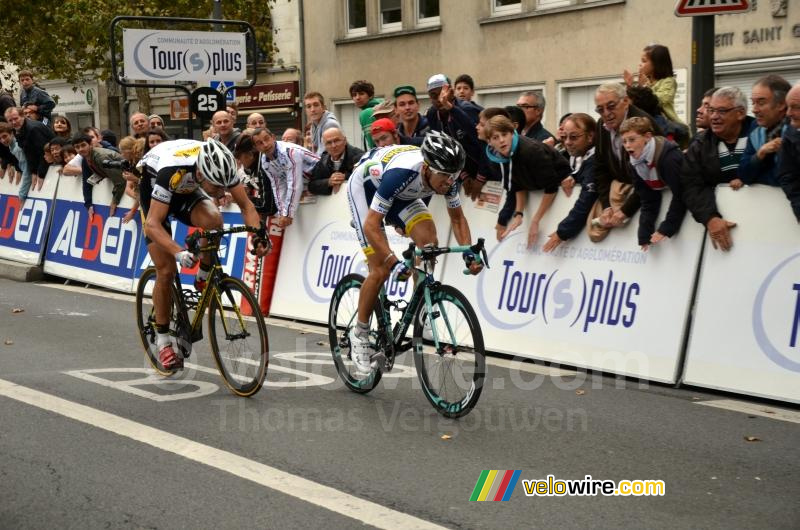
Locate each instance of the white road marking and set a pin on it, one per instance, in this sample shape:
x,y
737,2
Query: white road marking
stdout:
x,y
755,409
262,474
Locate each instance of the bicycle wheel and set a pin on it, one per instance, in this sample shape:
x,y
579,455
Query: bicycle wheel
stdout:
x,y
452,368
239,342
146,321
342,317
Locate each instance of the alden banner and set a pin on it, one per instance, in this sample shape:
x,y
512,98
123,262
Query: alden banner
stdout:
x,y
158,55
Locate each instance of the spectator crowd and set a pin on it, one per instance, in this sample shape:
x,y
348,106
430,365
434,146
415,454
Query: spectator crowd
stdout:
x,y
618,164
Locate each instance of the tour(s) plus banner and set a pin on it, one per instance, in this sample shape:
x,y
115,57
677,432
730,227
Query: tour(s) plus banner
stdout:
x,y
99,249
162,55
320,247
23,225
607,306
746,331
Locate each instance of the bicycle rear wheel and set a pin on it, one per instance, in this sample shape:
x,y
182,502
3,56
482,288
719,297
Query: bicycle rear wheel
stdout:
x,y
239,342
452,369
146,321
342,317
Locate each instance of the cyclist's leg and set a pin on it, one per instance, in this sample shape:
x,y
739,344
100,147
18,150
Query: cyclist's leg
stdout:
x,y
198,210
416,222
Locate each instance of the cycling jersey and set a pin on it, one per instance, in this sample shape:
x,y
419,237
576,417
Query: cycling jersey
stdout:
x,y
168,176
389,181
288,170
171,167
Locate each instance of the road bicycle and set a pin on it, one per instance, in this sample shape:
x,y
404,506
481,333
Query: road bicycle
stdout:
x,y
447,339
236,328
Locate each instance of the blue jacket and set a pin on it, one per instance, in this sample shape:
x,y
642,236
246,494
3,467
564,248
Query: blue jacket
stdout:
x,y
755,171
459,122
41,99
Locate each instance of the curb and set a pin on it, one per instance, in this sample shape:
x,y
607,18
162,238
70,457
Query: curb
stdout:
x,y
20,272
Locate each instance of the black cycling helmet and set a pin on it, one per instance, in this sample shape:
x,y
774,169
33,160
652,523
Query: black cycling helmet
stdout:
x,y
217,164
442,153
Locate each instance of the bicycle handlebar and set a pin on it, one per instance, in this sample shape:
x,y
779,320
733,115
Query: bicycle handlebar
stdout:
x,y
192,240
428,253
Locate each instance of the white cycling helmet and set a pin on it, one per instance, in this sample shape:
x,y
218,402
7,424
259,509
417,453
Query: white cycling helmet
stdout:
x,y
217,164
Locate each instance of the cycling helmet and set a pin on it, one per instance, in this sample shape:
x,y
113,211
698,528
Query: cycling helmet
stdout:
x,y
442,153
217,164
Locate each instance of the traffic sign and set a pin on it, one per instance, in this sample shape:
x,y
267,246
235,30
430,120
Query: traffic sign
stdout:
x,y
206,101
221,86
691,8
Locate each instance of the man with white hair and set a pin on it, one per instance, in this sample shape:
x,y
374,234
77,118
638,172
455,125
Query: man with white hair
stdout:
x,y
714,159
617,202
789,168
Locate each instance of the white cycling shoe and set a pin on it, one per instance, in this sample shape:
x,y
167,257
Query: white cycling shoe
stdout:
x,y
360,352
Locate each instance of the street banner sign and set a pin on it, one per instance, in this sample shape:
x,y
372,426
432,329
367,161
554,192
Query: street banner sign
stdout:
x,y
160,55
692,8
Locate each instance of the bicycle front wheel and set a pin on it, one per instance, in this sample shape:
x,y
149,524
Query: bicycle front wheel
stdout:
x,y
239,342
342,317
146,319
449,353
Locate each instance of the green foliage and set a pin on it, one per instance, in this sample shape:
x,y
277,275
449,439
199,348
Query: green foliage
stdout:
x,y
70,40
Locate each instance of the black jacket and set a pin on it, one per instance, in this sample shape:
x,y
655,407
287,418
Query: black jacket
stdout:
x,y
533,166
318,184
608,168
701,173
668,161
32,138
789,169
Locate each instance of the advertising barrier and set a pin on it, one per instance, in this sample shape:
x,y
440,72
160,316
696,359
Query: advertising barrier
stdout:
x,y
23,227
320,247
746,332
606,306
99,250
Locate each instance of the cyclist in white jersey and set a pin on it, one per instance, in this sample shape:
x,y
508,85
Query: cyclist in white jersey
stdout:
x,y
179,177
288,167
389,184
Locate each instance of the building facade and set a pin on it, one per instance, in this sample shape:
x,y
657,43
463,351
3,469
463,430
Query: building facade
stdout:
x,y
563,48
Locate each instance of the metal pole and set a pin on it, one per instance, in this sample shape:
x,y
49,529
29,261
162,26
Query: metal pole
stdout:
x,y
217,14
702,60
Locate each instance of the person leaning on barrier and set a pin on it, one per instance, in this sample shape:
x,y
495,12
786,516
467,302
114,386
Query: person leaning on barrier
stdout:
x,y
288,167
760,159
17,162
714,159
657,163
335,164
98,158
524,165
132,150
617,201
31,137
579,131
255,181
789,168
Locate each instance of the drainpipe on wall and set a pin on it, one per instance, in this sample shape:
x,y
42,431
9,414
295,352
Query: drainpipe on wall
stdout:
x,y
302,62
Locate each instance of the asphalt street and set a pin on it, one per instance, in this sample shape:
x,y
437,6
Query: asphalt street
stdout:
x,y
89,438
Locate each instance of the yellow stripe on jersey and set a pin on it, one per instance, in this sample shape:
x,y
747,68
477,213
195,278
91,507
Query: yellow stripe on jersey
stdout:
x,y
394,152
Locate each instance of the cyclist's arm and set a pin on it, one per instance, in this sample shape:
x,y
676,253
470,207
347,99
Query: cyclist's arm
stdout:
x,y
155,231
249,213
460,225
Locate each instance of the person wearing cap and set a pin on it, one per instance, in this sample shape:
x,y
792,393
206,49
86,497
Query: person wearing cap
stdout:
x,y
383,133
155,121
335,164
456,118
412,126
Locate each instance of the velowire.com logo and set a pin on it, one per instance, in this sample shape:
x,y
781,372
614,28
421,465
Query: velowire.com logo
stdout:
x,y
495,485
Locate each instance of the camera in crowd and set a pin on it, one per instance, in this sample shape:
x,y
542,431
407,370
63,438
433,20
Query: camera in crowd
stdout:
x,y
122,165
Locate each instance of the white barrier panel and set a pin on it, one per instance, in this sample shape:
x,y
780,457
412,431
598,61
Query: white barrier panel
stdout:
x,y
23,227
606,306
320,247
99,251
746,331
